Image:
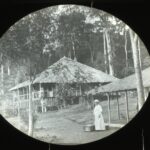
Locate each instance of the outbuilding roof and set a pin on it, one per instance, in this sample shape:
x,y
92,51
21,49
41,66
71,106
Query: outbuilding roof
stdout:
x,y
127,83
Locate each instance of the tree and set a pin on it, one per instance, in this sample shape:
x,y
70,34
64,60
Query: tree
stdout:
x,y
70,31
137,67
105,53
109,53
31,78
125,48
139,49
108,26
2,73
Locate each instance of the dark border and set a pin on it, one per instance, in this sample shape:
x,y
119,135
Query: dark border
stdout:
x,y
136,14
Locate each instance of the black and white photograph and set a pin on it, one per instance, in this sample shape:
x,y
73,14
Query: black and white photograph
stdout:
x,y
72,74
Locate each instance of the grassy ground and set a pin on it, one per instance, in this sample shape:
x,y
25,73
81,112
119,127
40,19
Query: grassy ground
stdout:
x,y
66,126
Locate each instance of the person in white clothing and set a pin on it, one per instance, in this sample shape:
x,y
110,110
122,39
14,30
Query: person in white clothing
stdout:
x,y
98,117
43,104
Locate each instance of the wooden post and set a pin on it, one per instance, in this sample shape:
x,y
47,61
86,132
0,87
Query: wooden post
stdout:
x,y
19,99
54,88
40,89
23,93
137,107
76,94
92,100
23,97
109,116
27,92
19,106
13,102
118,109
41,98
52,93
80,91
81,95
127,107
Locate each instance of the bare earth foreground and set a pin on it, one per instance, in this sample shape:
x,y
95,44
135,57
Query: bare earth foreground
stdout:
x,y
65,126
64,131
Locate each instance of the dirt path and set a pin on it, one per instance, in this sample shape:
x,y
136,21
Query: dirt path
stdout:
x,y
63,131
64,126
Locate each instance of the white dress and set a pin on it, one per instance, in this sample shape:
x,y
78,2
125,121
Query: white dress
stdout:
x,y
99,120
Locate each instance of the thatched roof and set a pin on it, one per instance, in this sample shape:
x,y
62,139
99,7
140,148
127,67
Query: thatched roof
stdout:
x,y
20,85
127,83
67,70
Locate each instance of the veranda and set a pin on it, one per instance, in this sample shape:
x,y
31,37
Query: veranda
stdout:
x,y
52,96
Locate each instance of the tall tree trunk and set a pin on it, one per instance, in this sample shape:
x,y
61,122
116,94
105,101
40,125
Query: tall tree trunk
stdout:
x,y
73,47
139,81
126,52
8,68
139,48
72,41
19,109
109,50
92,56
105,53
74,54
48,61
30,130
2,73
69,54
91,53
91,48
30,113
2,78
2,67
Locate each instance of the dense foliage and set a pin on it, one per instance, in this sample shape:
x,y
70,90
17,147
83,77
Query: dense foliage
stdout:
x,y
42,38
